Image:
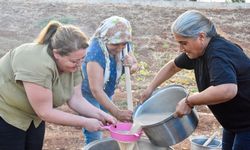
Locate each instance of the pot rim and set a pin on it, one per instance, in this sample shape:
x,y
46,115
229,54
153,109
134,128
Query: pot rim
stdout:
x,y
203,137
172,114
169,118
107,139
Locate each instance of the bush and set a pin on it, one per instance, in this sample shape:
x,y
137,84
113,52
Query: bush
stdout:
x,y
238,1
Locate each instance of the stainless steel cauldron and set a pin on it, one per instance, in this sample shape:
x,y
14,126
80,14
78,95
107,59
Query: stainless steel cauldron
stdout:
x,y
110,144
171,130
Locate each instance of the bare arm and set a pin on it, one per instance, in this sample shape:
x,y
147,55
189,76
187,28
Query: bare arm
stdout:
x,y
166,72
96,83
41,101
212,95
83,107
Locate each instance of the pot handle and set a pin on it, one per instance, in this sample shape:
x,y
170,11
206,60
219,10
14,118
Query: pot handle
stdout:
x,y
138,134
210,139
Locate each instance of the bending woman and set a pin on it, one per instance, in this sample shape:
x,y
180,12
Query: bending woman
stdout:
x,y
35,78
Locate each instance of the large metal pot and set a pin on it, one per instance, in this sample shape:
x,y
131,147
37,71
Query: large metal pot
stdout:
x,y
170,130
111,144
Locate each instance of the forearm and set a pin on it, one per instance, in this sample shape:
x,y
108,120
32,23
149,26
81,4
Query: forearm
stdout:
x,y
79,104
105,102
41,101
63,118
214,95
96,84
164,74
84,108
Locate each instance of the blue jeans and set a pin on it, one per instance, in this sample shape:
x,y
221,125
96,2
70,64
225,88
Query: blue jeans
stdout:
x,y
92,136
235,141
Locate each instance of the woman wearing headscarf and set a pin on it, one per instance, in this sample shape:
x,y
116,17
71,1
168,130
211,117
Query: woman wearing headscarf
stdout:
x,y
103,67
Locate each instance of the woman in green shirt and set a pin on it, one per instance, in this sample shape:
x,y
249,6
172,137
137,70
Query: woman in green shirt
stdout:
x,y
35,78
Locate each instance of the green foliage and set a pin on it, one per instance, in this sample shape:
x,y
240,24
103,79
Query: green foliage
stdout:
x,y
144,68
163,57
165,45
122,103
238,1
143,72
185,78
234,1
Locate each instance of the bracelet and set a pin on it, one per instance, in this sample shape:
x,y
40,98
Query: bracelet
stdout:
x,y
188,103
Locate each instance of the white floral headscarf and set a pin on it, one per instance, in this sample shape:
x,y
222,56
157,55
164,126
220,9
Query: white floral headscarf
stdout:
x,y
113,30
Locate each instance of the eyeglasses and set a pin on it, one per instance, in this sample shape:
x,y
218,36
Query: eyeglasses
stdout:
x,y
77,61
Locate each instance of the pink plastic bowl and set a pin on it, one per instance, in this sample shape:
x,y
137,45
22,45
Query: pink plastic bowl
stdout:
x,y
119,132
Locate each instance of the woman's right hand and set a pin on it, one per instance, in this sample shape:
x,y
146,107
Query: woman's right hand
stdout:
x,y
124,115
93,124
145,95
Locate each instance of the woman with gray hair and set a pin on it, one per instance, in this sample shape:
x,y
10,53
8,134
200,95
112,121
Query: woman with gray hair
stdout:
x,y
222,72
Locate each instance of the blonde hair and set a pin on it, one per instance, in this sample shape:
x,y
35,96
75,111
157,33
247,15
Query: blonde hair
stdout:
x,y
64,38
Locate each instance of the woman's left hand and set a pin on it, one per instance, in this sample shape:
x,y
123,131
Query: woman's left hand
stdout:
x,y
130,61
182,108
108,119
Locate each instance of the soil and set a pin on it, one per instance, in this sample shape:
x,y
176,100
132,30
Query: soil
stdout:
x,y
21,22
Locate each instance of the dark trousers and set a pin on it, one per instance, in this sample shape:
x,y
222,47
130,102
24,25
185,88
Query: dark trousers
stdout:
x,y
236,141
12,138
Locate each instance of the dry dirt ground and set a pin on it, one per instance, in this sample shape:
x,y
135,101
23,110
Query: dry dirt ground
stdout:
x,y
154,45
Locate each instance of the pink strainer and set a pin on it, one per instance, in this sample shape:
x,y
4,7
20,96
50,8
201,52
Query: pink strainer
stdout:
x,y
120,132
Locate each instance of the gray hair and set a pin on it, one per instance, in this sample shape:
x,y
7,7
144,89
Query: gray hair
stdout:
x,y
191,23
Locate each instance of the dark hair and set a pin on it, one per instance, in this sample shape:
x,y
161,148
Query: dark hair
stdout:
x,y
64,38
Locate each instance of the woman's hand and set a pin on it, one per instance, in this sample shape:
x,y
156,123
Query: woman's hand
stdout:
x,y
182,108
124,115
130,61
146,94
92,124
108,119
